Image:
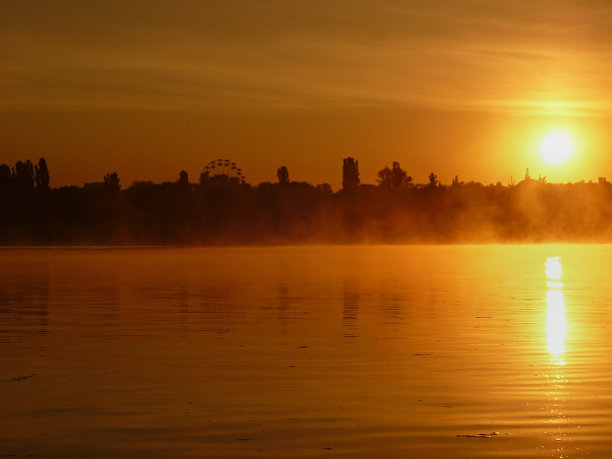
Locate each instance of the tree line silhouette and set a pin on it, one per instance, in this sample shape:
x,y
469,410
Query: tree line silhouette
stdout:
x,y
222,208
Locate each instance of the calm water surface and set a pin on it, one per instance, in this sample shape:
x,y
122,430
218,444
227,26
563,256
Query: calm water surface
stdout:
x,y
379,351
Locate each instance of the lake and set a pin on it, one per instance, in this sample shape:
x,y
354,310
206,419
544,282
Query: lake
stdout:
x,y
348,351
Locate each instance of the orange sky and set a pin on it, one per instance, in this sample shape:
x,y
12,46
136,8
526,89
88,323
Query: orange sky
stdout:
x,y
149,88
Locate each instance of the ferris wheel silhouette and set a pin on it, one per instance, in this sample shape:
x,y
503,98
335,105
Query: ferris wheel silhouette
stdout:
x,y
223,169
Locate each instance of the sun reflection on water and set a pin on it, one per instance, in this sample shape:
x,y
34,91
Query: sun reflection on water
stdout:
x,y
556,333
556,327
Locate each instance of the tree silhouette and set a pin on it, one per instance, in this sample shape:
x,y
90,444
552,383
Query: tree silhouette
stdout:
x,y
350,173
325,188
41,175
204,177
394,177
23,175
5,176
456,182
225,210
433,180
111,182
183,179
283,175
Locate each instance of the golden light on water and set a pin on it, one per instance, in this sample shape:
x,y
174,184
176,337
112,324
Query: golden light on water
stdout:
x,y
556,333
556,328
556,325
556,147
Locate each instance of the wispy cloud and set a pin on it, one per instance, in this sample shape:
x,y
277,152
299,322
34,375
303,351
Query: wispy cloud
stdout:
x,y
510,56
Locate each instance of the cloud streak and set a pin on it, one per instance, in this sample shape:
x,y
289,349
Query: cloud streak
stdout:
x,y
505,56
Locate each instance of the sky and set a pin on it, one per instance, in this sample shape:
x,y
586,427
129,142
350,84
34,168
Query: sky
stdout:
x,y
148,88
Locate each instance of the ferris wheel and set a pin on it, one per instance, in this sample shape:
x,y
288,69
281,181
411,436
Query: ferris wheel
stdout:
x,y
224,169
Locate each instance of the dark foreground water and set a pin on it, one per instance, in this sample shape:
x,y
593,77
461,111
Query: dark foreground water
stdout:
x,y
375,351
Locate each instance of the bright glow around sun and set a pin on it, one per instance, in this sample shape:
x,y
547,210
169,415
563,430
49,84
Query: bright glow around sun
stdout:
x,y
556,147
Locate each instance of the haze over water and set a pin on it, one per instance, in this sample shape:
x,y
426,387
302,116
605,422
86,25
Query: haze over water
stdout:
x,y
365,351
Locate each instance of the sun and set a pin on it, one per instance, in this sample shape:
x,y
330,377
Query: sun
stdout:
x,y
556,147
